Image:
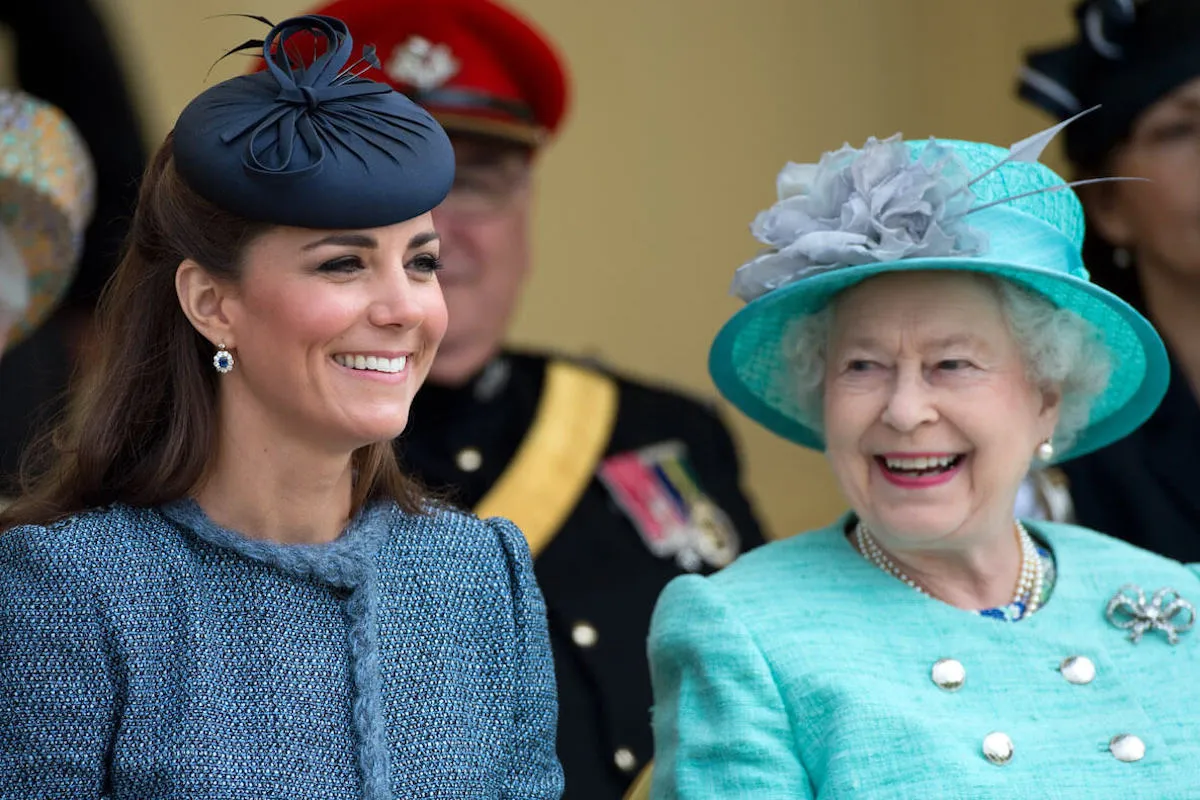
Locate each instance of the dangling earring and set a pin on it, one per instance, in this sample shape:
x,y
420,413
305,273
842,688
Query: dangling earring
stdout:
x,y
1121,258
223,360
1045,451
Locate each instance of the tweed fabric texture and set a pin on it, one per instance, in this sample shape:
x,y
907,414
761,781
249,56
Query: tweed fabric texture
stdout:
x,y
802,671
150,654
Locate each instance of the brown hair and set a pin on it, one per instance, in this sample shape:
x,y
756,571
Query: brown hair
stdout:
x,y
141,426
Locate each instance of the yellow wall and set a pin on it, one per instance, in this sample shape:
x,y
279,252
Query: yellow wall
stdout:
x,y
685,110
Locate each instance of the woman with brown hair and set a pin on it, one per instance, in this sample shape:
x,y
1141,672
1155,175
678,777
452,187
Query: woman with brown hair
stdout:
x,y
220,584
1140,63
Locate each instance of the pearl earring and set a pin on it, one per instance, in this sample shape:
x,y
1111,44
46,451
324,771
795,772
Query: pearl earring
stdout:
x,y
223,360
1045,451
1121,258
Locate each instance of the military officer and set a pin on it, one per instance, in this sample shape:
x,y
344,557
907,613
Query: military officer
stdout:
x,y
619,486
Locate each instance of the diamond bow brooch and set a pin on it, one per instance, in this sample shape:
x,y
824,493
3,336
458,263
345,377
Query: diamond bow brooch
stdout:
x,y
1166,611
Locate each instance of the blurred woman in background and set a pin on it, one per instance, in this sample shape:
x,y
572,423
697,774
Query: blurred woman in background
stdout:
x,y
1140,62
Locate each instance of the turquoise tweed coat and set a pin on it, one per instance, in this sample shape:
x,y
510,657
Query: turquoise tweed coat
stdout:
x,y
803,671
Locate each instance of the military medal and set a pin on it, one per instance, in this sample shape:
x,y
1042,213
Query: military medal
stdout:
x,y
657,489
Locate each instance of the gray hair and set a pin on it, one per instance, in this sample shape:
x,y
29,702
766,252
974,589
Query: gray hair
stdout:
x,y
1062,351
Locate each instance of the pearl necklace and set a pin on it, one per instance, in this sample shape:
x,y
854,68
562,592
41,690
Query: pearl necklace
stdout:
x,y
1028,591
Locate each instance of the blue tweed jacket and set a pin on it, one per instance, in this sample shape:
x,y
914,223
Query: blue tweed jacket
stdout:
x,y
149,655
802,671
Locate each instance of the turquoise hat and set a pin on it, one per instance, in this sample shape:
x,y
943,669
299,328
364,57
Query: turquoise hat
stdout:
x,y
896,206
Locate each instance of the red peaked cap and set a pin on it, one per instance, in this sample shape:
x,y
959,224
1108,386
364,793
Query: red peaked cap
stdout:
x,y
477,66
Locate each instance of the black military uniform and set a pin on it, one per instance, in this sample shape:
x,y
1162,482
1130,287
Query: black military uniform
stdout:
x,y
602,569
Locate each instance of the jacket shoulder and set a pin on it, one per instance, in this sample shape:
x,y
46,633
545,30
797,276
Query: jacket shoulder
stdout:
x,y
808,552
814,564
457,527
90,538
786,584
459,541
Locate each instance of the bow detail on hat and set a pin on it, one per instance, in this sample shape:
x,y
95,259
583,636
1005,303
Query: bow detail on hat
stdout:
x,y
318,104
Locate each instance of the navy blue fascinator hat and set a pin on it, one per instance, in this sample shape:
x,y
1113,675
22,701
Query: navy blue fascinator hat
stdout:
x,y
313,145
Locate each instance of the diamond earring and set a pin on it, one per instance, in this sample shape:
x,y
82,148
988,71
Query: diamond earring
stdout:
x,y
223,360
1045,451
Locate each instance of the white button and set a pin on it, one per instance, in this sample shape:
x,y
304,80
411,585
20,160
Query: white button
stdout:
x,y
625,760
584,635
998,748
949,674
469,459
1078,670
1127,747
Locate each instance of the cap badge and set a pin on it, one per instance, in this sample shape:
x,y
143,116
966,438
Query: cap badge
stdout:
x,y
422,64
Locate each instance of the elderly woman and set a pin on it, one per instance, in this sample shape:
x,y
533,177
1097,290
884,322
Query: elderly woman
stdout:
x,y
922,315
1140,62
220,584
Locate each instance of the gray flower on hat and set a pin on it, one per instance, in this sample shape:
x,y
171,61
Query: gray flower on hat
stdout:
x,y
863,206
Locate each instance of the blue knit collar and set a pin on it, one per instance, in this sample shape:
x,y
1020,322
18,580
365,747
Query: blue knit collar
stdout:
x,y
343,563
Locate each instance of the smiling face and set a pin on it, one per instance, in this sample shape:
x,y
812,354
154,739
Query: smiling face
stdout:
x,y
930,419
332,332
